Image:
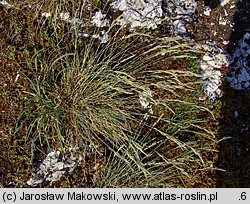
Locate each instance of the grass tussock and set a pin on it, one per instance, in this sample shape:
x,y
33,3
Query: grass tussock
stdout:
x,y
91,97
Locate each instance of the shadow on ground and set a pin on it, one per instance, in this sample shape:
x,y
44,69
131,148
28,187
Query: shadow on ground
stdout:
x,y
234,155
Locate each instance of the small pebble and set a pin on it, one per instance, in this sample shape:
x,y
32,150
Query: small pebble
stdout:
x,y
236,114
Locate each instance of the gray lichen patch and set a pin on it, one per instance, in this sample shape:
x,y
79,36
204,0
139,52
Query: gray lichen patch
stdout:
x,y
211,64
53,167
179,14
239,72
139,14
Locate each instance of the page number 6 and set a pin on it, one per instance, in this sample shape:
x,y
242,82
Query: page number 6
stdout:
x,y
243,196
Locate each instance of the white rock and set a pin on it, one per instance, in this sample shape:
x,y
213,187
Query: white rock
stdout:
x,y
51,170
224,2
5,3
46,14
58,166
104,38
180,12
178,27
143,98
99,20
74,20
83,34
226,14
139,13
64,16
34,182
210,64
207,11
225,42
95,36
55,176
218,92
205,66
223,58
222,21
184,9
207,58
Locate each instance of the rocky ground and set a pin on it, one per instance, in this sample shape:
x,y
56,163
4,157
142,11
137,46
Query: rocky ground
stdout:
x,y
228,26
219,29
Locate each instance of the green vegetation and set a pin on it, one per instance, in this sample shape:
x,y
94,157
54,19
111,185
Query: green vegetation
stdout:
x,y
79,92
